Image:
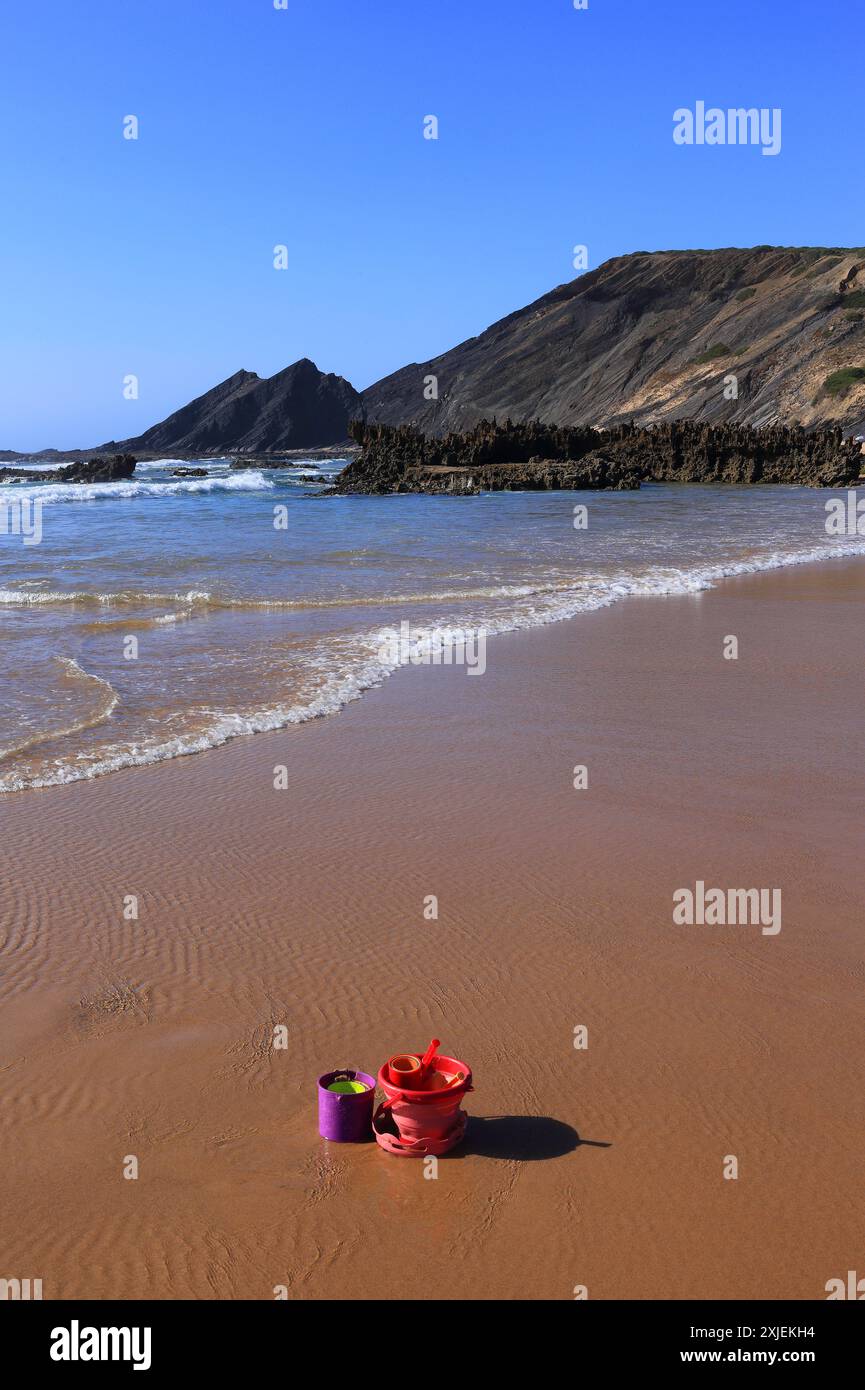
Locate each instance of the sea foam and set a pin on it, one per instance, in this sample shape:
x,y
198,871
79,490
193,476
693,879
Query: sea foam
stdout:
x,y
532,606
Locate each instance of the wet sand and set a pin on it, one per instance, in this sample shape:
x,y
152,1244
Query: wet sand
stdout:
x,y
601,1167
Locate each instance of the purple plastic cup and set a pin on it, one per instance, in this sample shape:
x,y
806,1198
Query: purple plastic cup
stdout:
x,y
346,1119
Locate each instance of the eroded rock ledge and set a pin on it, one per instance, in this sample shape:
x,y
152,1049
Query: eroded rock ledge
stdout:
x,y
537,457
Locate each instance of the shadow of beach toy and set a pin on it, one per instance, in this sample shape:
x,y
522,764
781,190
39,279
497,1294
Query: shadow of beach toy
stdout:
x,y
525,1138
345,1104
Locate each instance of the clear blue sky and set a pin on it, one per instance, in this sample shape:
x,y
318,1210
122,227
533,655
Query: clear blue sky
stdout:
x,y
304,126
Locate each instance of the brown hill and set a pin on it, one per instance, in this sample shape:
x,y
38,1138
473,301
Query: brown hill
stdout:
x,y
653,336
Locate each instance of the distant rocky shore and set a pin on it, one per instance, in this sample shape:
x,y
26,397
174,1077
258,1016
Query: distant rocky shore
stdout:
x,y
95,470
537,457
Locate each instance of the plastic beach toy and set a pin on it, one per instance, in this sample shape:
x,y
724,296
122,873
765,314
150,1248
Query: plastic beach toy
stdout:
x,y
426,1060
427,1120
404,1069
345,1103
388,1138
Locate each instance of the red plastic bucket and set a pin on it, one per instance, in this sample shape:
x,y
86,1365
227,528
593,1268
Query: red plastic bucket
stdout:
x,y
429,1113
387,1138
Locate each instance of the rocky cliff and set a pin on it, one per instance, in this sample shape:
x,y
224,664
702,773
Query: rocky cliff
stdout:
x,y
760,337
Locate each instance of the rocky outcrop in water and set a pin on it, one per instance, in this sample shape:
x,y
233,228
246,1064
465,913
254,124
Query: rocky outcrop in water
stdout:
x,y
96,470
687,451
537,457
511,457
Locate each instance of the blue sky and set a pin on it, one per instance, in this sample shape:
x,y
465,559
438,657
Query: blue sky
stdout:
x,y
304,127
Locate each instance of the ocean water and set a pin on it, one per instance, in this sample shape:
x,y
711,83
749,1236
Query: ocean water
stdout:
x,y
242,627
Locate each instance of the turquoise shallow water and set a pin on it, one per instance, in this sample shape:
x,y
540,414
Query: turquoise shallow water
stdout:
x,y
242,626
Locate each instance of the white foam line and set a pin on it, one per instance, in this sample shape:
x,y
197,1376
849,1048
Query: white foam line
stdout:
x,y
373,671
25,598
49,494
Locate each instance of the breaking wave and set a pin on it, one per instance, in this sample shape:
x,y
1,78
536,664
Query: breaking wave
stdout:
x,y
346,675
49,494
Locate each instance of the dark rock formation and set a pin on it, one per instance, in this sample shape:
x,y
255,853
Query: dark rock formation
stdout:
x,y
535,456
189,472
299,408
96,470
634,340
490,456
688,451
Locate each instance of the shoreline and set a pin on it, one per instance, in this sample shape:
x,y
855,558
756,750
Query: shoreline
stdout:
x,y
305,907
704,580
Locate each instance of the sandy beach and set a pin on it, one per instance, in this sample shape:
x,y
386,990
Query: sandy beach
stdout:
x,y
601,1167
